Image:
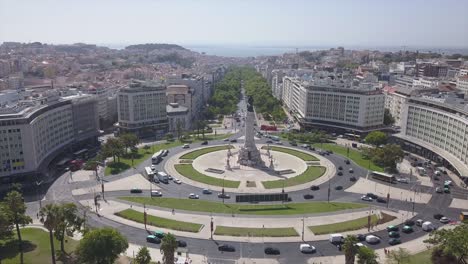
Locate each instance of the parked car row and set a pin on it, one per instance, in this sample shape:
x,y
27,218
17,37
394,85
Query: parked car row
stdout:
x,y
304,248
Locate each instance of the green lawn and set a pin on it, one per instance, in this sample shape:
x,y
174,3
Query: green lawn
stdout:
x,y
354,155
302,155
197,153
255,232
272,209
36,247
343,226
311,173
188,171
152,220
421,257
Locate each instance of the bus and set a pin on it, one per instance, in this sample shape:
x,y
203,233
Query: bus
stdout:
x,y
149,173
156,158
382,176
352,136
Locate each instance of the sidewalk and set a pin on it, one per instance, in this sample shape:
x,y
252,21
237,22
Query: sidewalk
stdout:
x,y
108,209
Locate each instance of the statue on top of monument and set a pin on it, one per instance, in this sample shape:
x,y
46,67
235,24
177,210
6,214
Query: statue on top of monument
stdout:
x,y
250,104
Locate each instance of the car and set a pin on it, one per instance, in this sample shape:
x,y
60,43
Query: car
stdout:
x,y
361,237
177,181
272,251
340,173
227,247
306,248
169,177
224,195
156,193
409,222
279,143
340,168
269,142
439,190
159,234
351,170
204,143
136,190
153,167
373,196
329,152
305,146
444,220
366,198
438,216
193,196
392,228
394,241
381,200
371,239
181,243
233,140
419,222
407,229
403,180
314,188
448,182
186,146
393,234
347,162
226,139
308,196
446,190
165,152
359,244
353,179
153,239
207,191
293,143
339,187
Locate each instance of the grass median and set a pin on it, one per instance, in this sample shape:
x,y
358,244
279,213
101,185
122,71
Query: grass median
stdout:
x,y
350,225
255,232
199,152
247,209
302,155
354,155
152,220
310,174
188,171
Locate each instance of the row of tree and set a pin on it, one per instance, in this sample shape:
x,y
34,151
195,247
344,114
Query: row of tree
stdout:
x,y
226,94
311,137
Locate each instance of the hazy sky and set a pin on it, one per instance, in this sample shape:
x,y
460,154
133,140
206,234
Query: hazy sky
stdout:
x,y
432,23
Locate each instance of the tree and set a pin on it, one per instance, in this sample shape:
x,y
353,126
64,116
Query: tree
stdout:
x,y
168,247
367,255
451,242
69,222
350,249
376,138
388,118
398,256
50,218
178,129
143,256
169,137
6,226
16,212
113,148
101,246
387,156
440,257
129,141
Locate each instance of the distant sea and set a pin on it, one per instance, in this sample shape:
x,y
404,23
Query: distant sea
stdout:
x,y
253,51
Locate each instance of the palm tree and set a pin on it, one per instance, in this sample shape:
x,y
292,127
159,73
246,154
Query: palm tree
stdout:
x,y
168,247
143,256
50,218
350,249
16,213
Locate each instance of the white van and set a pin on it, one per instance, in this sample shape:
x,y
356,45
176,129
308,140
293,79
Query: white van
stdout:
x,y
371,239
336,238
428,226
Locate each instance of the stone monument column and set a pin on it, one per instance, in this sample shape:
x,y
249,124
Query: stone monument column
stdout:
x,y
249,155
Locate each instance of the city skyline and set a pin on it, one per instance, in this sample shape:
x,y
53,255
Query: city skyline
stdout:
x,y
259,23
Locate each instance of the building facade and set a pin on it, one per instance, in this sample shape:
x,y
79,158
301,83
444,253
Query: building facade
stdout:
x,y
462,84
178,118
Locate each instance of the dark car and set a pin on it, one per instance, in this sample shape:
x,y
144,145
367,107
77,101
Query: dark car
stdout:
x,y
158,234
269,142
340,173
233,140
226,247
181,243
204,142
293,143
393,234
329,152
308,196
381,200
340,168
353,179
153,239
136,190
314,188
394,241
407,229
392,228
409,222
373,196
339,187
347,161
272,251
361,237
224,195
438,216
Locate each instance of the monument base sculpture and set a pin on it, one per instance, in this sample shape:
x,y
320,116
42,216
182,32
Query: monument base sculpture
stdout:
x,y
249,155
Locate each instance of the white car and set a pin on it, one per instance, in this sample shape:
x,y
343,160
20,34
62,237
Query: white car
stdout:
x,y
444,220
193,196
156,193
153,167
371,239
186,146
306,248
366,198
279,143
359,244
177,181
403,180
448,182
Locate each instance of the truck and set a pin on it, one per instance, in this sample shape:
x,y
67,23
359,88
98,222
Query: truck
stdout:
x,y
336,238
163,177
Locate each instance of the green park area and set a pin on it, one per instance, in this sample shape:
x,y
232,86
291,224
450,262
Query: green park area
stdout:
x,y
302,155
229,208
350,225
354,155
310,174
255,232
421,257
145,153
36,245
152,220
199,152
188,171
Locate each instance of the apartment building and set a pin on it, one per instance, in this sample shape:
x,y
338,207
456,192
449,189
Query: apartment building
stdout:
x,y
142,109
462,84
178,118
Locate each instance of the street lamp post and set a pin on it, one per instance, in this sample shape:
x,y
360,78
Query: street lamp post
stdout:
x,y
282,191
38,184
303,227
222,192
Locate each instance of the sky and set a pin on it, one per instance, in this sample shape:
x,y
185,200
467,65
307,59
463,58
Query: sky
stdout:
x,y
424,23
